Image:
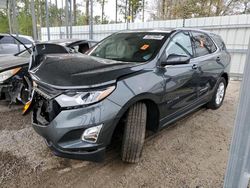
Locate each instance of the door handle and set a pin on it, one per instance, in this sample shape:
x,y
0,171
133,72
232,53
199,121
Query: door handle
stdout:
x,y
218,59
194,67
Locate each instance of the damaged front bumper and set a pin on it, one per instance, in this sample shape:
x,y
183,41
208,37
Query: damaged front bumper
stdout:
x,y
63,128
96,155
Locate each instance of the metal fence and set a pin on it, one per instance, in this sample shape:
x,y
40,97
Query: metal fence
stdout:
x,y
235,30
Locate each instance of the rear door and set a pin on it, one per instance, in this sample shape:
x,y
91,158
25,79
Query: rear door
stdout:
x,y
207,57
181,80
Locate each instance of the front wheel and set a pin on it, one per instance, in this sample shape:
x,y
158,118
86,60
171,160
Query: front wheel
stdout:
x,y
26,90
134,133
219,95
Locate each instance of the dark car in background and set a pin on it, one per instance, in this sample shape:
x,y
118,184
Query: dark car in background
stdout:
x,y
15,81
131,82
75,45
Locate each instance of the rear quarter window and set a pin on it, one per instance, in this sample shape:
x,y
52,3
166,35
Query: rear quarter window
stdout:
x,y
220,43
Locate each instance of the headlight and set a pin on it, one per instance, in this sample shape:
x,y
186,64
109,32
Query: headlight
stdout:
x,y
71,99
7,74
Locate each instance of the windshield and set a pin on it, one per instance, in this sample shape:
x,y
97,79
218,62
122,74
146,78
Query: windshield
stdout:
x,y
130,47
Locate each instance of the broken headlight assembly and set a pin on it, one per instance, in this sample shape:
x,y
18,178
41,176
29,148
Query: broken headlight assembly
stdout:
x,y
75,98
7,74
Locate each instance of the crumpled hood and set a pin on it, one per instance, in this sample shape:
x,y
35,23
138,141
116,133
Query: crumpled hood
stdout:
x,y
9,61
67,71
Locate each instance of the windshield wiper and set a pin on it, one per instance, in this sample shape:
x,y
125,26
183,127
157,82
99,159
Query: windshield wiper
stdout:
x,y
28,49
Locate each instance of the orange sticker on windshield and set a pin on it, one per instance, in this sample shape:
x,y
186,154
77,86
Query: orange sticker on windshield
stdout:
x,y
144,47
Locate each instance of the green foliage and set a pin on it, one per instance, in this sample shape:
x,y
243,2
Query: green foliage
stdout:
x,y
130,8
197,8
81,19
25,23
102,17
169,9
4,26
55,15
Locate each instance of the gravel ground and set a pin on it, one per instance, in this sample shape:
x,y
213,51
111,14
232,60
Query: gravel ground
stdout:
x,y
191,153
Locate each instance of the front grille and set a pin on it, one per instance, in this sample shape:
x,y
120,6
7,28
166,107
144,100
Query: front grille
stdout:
x,y
45,109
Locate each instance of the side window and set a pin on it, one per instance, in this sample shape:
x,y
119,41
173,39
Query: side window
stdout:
x,y
24,40
218,40
203,44
7,40
180,44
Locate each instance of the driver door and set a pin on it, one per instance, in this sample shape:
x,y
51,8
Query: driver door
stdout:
x,y
181,79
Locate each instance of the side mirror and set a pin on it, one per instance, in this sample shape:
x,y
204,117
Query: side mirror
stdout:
x,y
175,59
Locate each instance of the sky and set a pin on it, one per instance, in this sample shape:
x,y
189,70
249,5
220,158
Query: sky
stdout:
x,y
109,9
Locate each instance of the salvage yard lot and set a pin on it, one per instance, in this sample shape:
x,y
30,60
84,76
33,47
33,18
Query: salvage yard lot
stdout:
x,y
191,153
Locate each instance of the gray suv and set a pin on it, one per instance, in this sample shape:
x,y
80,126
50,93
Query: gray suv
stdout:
x,y
130,82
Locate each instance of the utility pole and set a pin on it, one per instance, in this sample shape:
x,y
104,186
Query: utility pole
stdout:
x,y
91,20
126,14
70,18
74,8
57,22
143,10
47,19
184,16
116,9
9,4
15,22
67,17
61,24
33,20
87,12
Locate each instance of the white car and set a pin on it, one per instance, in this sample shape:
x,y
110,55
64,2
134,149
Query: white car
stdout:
x,y
9,43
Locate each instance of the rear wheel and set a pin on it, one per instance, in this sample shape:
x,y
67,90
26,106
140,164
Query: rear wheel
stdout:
x,y
134,133
219,95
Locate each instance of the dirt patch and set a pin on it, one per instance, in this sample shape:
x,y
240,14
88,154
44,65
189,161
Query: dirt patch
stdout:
x,y
192,152
13,120
6,107
12,168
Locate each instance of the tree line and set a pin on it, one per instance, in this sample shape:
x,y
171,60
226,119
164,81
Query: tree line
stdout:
x,y
127,9
174,9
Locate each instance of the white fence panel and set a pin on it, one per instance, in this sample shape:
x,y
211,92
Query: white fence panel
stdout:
x,y
235,31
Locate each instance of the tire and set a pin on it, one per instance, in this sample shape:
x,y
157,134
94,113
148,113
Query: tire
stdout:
x,y
24,96
134,133
26,90
218,95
